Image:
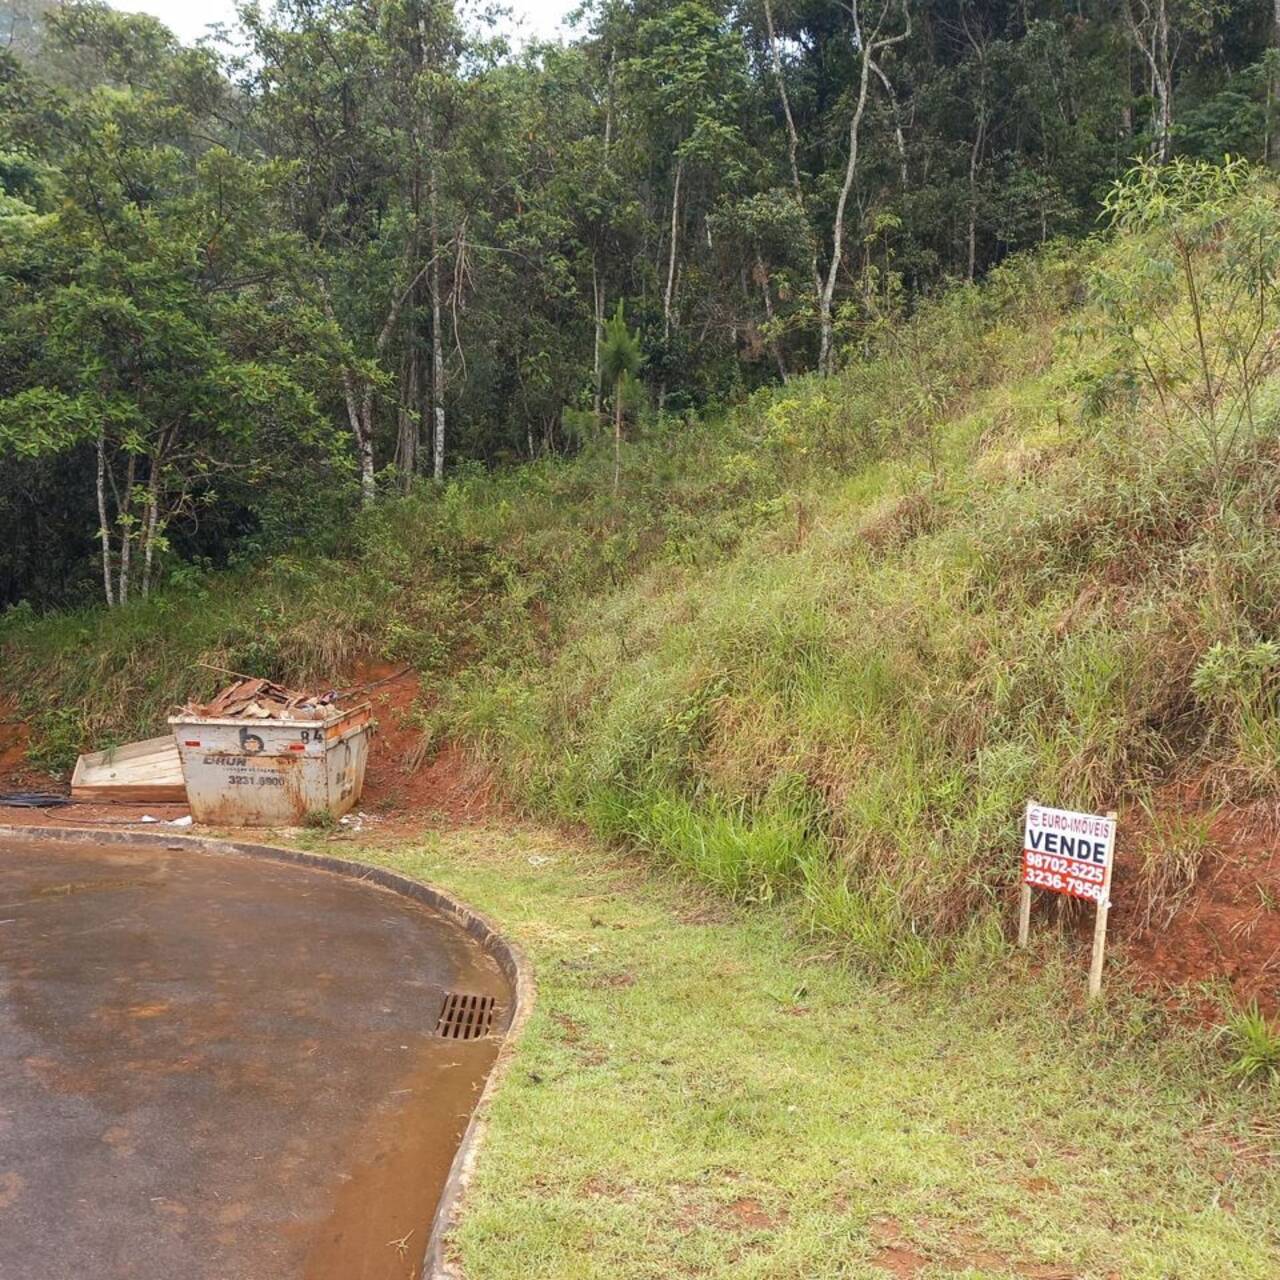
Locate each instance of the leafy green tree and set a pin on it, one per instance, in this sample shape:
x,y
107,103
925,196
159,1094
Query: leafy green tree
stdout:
x,y
685,80
149,320
363,100
401,239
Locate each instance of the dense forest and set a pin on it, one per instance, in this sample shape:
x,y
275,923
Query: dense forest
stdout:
x,y
248,287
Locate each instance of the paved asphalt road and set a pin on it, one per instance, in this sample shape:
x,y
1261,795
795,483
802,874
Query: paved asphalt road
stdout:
x,y
219,1068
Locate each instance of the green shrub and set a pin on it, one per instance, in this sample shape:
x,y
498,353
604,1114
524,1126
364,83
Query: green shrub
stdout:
x,y
1254,1045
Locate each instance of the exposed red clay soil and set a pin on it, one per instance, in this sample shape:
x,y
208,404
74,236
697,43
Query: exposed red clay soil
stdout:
x,y
744,1216
1227,929
409,778
409,782
749,1215
13,747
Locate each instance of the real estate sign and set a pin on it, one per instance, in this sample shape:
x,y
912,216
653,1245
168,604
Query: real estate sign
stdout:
x,y
1067,852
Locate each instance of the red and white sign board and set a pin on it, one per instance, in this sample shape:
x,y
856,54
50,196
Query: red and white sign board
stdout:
x,y
1067,852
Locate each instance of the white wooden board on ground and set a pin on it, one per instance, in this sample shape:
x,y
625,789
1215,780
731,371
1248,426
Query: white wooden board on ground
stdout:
x,y
148,772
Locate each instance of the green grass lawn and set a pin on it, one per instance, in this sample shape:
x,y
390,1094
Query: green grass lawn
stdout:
x,y
701,1092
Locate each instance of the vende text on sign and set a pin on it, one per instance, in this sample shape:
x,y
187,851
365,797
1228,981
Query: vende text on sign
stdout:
x,y
1067,852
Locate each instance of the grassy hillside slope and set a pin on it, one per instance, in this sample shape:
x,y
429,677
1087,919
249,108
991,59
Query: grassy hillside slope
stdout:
x,y
828,643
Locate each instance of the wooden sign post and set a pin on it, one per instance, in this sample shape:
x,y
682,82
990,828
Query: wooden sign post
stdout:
x,y
1024,914
1100,917
1073,854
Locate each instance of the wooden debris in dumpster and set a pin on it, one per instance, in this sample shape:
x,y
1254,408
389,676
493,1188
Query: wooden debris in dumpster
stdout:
x,y
252,699
259,754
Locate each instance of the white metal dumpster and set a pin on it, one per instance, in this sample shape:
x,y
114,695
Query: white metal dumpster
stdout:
x,y
266,772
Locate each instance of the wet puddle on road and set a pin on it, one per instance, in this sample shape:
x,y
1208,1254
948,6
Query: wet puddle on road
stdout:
x,y
42,893
220,1066
378,1229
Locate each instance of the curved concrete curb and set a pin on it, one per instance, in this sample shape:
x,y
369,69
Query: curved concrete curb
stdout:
x,y
509,957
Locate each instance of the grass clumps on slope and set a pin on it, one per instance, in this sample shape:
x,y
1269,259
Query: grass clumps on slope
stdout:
x,y
440,579
1052,574
699,1093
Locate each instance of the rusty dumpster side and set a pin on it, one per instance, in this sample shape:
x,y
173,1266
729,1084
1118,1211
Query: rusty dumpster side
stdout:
x,y
273,772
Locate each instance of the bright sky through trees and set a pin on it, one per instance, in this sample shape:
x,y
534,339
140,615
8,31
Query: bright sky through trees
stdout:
x,y
189,18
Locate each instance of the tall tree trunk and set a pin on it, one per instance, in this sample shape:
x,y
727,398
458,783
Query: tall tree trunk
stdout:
x,y
793,147
437,337
363,439
104,528
597,293
608,107
762,275
826,354
597,287
668,297
368,462
408,432
793,136
868,45
1271,149
407,423
899,136
153,515
422,416
1164,81
975,155
978,43
1150,33
617,433
126,532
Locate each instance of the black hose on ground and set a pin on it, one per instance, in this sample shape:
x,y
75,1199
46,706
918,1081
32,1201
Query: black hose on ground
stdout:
x,y
32,799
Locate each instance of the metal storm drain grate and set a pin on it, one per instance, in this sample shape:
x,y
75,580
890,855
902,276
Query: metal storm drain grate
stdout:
x,y
464,1016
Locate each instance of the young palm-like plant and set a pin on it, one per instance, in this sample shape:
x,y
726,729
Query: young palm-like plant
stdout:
x,y
620,361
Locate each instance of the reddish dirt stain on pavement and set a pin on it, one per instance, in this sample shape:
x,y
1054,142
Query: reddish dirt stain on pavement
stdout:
x,y
224,1067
